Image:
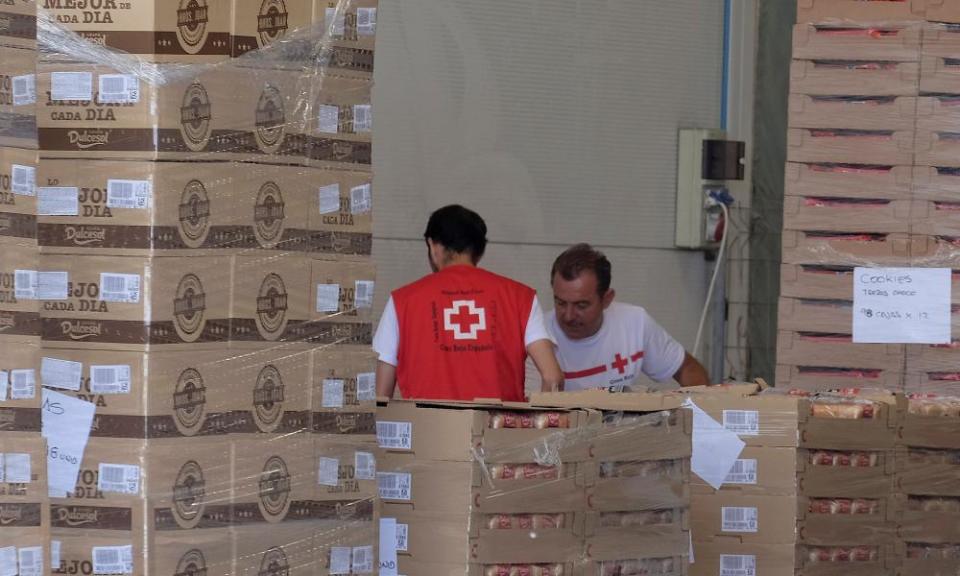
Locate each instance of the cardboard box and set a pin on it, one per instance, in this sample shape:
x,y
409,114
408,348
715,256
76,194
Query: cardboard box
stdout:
x,y
940,39
936,183
812,213
938,75
18,204
758,519
355,27
816,281
815,378
19,314
181,302
433,487
827,180
926,424
934,565
844,433
892,43
156,30
942,11
197,552
860,248
18,24
813,315
935,218
854,78
77,546
814,560
355,464
919,525
668,551
30,545
667,489
852,113
940,382
760,421
18,97
725,555
931,358
275,479
344,386
838,350
928,471
286,549
760,471
884,147
938,113
826,529
843,11
332,543
938,147
934,251
20,367
25,463
274,389
258,25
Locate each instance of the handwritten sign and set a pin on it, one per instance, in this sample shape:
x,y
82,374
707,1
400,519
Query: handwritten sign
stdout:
x,y
66,425
901,305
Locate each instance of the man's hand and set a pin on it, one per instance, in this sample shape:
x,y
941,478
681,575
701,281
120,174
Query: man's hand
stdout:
x,y
544,357
692,373
386,379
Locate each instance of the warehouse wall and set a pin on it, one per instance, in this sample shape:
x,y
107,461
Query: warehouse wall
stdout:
x,y
556,120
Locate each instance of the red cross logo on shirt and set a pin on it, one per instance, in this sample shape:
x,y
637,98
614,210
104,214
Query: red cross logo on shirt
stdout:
x,y
464,319
620,364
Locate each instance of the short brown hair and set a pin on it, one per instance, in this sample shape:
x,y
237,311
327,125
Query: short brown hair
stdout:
x,y
583,257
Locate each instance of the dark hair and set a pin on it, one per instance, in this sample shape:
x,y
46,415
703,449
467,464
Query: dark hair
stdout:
x,y
458,229
582,257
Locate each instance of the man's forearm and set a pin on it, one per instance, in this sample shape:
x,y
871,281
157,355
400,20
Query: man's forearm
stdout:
x,y
692,373
386,379
551,376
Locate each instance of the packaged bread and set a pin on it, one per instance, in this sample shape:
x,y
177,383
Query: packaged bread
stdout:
x,y
933,406
823,554
638,469
927,551
843,506
638,518
524,472
843,459
524,570
525,521
529,420
640,567
842,410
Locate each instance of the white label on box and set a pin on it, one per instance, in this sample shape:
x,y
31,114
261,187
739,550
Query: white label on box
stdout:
x,y
360,199
16,468
363,298
113,559
133,194
901,305
363,560
365,465
110,379
395,435
366,21
23,384
366,386
24,180
58,201
743,472
402,530
65,374
388,547
743,422
328,297
394,485
55,554
362,118
24,90
329,472
735,519
31,561
339,26
328,119
340,558
71,86
52,285
332,393
119,89
123,288
737,565
3,472
329,199
4,384
119,478
25,284
8,561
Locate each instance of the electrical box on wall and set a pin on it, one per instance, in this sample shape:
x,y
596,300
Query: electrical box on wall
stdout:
x,y
705,161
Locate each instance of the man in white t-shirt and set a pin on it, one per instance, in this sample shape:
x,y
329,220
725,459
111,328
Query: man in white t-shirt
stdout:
x,y
607,344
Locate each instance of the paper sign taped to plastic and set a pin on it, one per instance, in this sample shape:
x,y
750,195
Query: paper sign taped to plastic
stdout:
x,y
901,305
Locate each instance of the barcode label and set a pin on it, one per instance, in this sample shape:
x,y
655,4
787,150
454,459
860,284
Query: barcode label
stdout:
x,y
55,553
119,89
395,435
4,384
110,379
363,298
328,119
332,393
58,201
743,472
71,86
394,485
340,558
120,288
113,560
328,297
134,194
329,199
731,565
739,519
362,118
335,23
366,386
329,472
24,90
25,284
23,384
363,560
8,561
365,465
120,478
366,21
52,285
402,530
360,199
16,468
743,422
31,561
65,374
24,180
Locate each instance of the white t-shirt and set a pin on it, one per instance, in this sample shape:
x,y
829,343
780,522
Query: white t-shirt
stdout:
x,y
629,342
386,342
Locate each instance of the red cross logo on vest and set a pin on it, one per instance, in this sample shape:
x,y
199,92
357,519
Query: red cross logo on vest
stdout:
x,y
464,319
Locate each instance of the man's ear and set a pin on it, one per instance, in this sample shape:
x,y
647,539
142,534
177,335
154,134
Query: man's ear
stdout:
x,y
608,298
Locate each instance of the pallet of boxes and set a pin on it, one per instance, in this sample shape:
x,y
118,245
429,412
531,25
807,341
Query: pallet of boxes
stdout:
x,y
518,489
193,288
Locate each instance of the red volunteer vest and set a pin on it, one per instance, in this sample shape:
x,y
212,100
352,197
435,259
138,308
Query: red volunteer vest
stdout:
x,y
462,335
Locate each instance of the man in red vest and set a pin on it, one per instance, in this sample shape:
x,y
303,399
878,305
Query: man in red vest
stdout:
x,y
462,333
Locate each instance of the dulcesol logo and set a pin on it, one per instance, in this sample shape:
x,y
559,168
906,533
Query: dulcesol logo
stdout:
x,y
268,215
270,119
194,214
268,397
273,21
193,563
189,495
192,19
274,563
189,305
189,402
274,489
195,116
272,307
